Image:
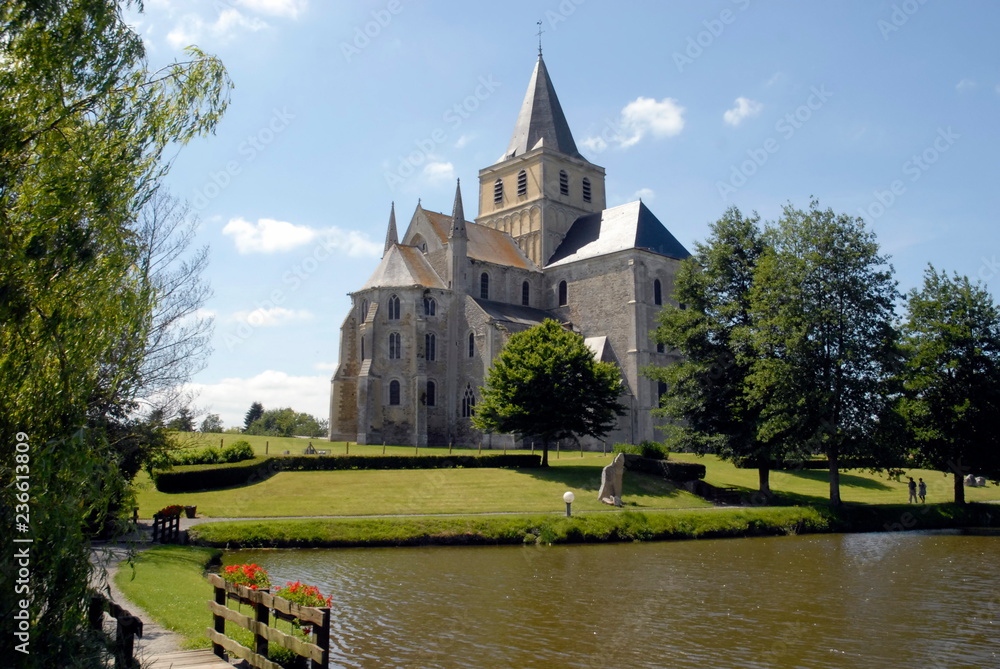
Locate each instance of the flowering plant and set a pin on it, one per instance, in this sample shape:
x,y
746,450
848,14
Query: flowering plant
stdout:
x,y
250,575
172,510
305,595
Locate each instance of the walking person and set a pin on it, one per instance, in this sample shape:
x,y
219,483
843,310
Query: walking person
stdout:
x,y
922,491
912,485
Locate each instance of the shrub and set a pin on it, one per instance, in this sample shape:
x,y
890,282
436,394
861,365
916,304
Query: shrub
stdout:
x,y
237,451
647,449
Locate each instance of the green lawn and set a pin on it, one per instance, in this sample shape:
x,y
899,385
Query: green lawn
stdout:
x,y
168,582
423,491
457,491
812,486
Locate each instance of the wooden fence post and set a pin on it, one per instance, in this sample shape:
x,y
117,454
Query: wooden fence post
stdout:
x,y
220,622
260,641
322,640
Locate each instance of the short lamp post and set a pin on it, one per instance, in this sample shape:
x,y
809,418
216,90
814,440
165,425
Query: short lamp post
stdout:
x,y
568,497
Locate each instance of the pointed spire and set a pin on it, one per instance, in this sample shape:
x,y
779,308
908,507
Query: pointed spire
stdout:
x,y
458,214
391,236
541,121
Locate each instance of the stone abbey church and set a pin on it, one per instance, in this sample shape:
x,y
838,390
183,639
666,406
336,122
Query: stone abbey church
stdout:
x,y
422,331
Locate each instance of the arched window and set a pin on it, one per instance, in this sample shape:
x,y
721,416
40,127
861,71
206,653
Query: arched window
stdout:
x,y
472,344
468,402
431,397
525,293
498,191
562,294
522,183
430,346
563,183
364,309
393,308
430,306
395,346
484,286
394,392
586,190
657,292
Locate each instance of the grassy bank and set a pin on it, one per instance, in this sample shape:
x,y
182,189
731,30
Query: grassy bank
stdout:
x,y
169,583
588,528
513,529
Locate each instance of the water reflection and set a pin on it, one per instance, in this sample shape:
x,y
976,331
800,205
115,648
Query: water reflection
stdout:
x,y
889,600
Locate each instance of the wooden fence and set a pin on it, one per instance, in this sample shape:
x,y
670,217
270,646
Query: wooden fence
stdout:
x,y
264,605
167,528
127,627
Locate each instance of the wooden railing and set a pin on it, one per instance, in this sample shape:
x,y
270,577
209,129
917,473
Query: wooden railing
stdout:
x,y
167,528
126,629
265,604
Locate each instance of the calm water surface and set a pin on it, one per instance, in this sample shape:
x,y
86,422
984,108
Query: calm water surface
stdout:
x,y
921,600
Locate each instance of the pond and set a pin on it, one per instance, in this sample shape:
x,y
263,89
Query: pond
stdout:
x,y
913,599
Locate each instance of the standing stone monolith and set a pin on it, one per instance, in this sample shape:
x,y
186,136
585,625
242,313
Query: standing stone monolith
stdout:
x,y
611,481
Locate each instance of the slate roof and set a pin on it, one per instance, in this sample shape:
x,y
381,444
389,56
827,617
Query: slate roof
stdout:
x,y
485,244
628,226
541,121
404,266
512,313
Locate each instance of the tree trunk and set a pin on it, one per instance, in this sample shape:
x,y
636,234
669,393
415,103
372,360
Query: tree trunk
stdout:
x,y
545,453
959,488
834,459
764,476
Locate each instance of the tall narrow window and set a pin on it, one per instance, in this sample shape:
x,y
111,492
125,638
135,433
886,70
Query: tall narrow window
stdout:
x,y
430,346
562,294
660,348
525,293
657,292
484,286
393,308
563,183
395,346
522,183
498,191
394,392
362,349
430,306
661,390
586,190
431,397
468,402
364,310
472,344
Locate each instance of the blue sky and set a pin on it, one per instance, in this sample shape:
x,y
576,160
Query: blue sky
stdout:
x,y
886,110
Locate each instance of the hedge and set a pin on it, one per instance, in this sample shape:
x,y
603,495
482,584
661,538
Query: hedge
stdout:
x,y
207,477
679,472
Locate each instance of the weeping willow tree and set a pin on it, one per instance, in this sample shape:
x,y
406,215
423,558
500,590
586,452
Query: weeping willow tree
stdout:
x,y
84,123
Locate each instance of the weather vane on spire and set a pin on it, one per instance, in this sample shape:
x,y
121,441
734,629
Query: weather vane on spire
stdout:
x,y
540,31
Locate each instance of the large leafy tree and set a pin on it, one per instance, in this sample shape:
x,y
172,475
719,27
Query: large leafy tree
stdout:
x,y
287,423
952,376
546,384
83,127
823,345
706,390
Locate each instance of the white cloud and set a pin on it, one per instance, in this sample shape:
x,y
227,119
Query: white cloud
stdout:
x,y
231,397
326,366
436,171
745,108
285,8
647,194
193,29
595,144
263,318
965,85
645,115
267,235
463,141
639,118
